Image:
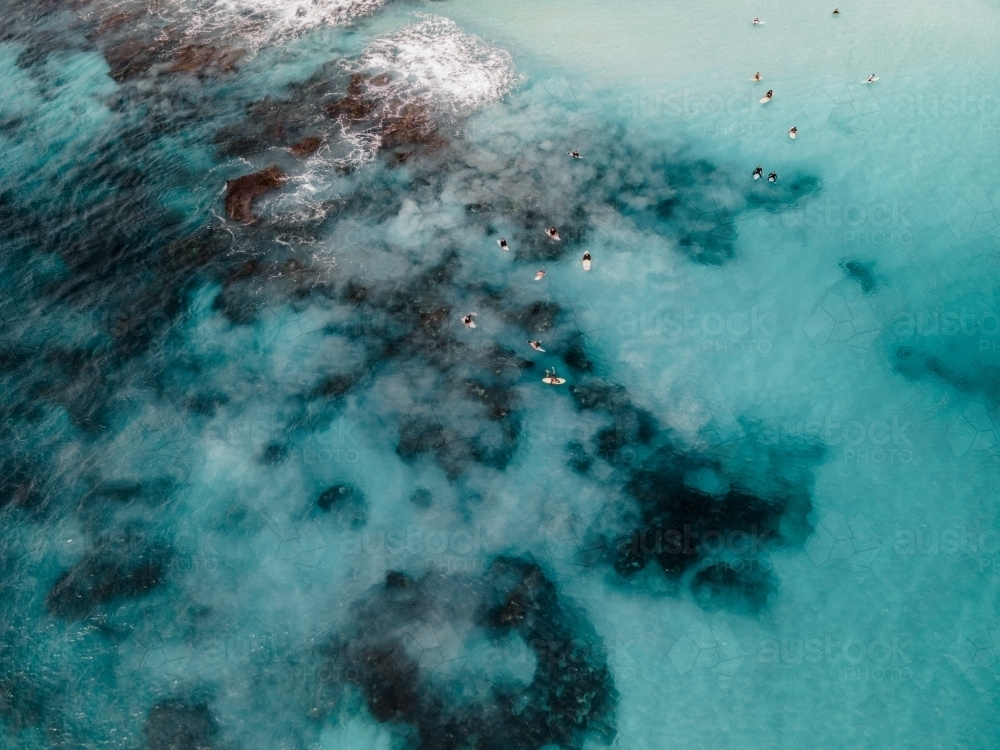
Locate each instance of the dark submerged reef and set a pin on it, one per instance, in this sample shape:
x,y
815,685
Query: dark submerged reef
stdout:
x,y
678,527
391,655
180,725
117,568
680,522
863,273
730,586
132,265
346,503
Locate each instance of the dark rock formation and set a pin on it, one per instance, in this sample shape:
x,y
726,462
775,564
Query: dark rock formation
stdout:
x,y
241,191
567,697
307,146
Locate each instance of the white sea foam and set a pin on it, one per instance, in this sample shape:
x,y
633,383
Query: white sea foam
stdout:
x,y
432,63
279,18
252,24
435,61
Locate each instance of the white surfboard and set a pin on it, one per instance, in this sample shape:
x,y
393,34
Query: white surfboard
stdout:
x,y
875,78
553,381
766,99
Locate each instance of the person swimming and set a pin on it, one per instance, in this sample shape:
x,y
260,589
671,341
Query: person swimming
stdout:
x,y
586,261
792,132
758,172
767,97
553,234
872,78
773,177
468,320
536,345
575,154
540,275
502,242
756,77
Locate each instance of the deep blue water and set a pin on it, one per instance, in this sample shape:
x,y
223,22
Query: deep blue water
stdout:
x,y
262,488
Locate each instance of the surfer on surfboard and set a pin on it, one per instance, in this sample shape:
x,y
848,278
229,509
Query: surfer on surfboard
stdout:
x,y
468,320
758,172
536,345
767,97
553,379
540,275
586,261
502,242
553,234
792,132
773,177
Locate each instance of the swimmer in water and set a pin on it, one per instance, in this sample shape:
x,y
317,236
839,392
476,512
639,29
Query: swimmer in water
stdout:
x,y
468,320
536,345
553,234
540,275
758,172
872,78
756,77
575,154
792,132
767,97
586,261
502,242
773,177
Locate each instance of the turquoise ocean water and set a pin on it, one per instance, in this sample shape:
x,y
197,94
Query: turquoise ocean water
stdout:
x,y
261,487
